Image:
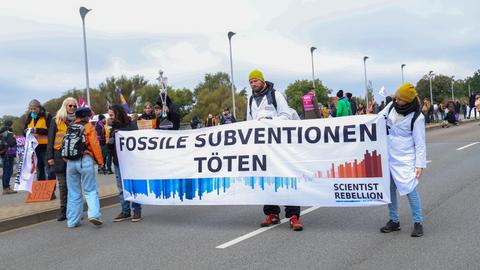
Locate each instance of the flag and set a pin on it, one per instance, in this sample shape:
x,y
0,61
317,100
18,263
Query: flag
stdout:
x,y
122,100
383,91
82,103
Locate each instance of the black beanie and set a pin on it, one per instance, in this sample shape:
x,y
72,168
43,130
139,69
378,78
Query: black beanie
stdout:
x,y
340,94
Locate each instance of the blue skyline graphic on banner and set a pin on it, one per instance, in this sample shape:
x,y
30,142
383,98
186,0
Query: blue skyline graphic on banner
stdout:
x,y
191,188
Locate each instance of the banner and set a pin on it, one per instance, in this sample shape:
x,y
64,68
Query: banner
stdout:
x,y
27,170
319,162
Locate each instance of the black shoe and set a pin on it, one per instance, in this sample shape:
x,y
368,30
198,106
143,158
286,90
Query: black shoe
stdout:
x,y
109,171
417,230
122,216
62,215
390,227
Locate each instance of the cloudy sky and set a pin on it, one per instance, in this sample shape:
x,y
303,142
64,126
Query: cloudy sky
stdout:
x,y
41,45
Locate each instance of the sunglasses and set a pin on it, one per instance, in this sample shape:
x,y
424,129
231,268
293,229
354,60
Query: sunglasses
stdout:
x,y
72,106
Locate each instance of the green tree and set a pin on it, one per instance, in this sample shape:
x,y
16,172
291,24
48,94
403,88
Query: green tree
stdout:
x,y
127,86
297,89
441,88
212,82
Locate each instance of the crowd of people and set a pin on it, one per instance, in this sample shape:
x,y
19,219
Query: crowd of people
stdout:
x,y
71,149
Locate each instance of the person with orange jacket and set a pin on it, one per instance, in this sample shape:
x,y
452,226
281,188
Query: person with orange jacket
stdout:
x,y
81,173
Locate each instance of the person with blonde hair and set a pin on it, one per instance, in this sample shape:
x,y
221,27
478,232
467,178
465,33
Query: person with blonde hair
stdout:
x,y
58,128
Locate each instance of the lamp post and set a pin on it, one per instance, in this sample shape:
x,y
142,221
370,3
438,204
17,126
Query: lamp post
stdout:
x,y
453,80
313,69
430,75
469,93
83,13
365,71
403,78
230,35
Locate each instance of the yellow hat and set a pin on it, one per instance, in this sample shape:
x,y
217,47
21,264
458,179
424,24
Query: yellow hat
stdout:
x,y
256,74
406,92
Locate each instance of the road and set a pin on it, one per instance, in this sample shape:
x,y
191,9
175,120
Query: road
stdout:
x,y
334,238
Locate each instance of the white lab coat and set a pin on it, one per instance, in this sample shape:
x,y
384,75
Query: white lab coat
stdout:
x,y
283,111
406,149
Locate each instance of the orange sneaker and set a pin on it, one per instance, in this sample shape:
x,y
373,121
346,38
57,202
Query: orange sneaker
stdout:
x,y
270,220
295,223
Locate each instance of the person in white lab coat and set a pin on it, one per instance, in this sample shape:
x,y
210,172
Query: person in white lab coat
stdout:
x,y
267,103
407,154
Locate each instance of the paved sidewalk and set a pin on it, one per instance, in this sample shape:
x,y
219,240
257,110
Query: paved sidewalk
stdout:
x,y
15,213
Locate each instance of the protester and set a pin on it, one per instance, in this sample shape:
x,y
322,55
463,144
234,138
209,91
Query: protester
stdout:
x,y
158,114
343,105
81,170
122,122
441,110
361,109
39,121
267,103
227,117
148,112
450,118
457,107
471,103
464,109
171,110
8,151
108,157
310,105
102,138
381,106
325,110
407,155
194,122
210,121
56,133
353,104
425,107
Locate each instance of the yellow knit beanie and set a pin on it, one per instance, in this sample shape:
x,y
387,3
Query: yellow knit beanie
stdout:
x,y
406,92
256,74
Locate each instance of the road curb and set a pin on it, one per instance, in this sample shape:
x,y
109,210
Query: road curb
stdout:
x,y
22,221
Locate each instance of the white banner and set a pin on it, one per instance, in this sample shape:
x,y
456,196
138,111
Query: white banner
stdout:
x,y
321,162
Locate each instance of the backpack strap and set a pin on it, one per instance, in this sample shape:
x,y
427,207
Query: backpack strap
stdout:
x,y
414,118
250,105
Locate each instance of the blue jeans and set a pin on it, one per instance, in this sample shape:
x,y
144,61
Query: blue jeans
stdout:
x,y
413,199
137,208
7,170
81,173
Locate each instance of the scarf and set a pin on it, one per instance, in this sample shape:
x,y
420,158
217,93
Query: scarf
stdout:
x,y
407,108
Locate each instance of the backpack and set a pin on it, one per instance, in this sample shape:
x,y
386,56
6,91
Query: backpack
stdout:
x,y
73,145
414,118
272,101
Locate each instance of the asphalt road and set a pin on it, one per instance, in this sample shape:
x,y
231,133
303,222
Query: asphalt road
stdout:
x,y
334,238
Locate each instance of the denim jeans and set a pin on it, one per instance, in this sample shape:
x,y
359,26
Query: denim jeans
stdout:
x,y
81,175
413,199
7,170
125,205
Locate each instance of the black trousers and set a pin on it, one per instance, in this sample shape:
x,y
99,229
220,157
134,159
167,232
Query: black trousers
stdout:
x,y
474,111
275,209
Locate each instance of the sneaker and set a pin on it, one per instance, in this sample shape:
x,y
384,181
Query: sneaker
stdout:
x,y
62,216
295,224
109,171
96,221
8,191
270,220
417,230
121,217
391,226
136,217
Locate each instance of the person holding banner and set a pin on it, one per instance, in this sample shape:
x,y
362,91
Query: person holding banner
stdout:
x,y
267,103
120,121
58,128
170,112
407,155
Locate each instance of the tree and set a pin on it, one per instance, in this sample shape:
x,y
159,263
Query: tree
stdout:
x,y
127,86
442,88
213,82
296,90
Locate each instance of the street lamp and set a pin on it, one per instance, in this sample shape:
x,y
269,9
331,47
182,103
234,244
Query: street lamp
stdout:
x,y
83,13
403,78
365,70
430,75
453,80
230,35
469,93
313,70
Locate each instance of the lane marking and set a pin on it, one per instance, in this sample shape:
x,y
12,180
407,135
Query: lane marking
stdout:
x,y
429,161
261,230
468,145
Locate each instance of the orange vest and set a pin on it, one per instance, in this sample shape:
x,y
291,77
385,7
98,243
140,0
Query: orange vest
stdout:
x,y
41,123
61,131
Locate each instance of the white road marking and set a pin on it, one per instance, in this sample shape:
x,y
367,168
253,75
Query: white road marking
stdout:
x,y
468,145
261,230
429,161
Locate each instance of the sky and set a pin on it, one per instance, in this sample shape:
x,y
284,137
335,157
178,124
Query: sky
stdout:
x,y
41,43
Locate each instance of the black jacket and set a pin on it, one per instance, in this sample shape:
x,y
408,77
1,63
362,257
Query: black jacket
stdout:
x,y
173,114
132,125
